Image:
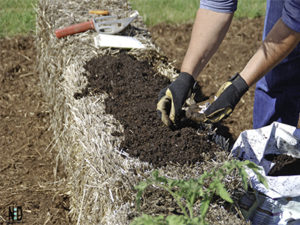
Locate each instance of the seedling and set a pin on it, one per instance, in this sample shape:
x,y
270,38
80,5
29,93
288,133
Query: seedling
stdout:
x,y
187,192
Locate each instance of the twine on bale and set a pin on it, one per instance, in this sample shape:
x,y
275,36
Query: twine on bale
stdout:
x,y
101,179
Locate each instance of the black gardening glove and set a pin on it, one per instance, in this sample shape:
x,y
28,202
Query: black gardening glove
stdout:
x,y
172,98
227,97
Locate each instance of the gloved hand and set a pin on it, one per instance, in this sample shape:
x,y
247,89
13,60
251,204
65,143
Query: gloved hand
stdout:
x,y
172,98
226,99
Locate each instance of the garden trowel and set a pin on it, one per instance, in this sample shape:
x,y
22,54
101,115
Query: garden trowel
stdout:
x,y
103,24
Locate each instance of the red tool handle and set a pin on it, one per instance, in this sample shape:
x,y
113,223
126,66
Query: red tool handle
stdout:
x,y
74,29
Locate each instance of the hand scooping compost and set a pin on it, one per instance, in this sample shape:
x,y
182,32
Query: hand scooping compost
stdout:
x,y
133,86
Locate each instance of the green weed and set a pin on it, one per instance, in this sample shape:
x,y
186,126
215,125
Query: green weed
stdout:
x,y
187,192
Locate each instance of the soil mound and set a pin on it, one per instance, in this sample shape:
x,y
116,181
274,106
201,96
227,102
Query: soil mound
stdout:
x,y
285,165
133,87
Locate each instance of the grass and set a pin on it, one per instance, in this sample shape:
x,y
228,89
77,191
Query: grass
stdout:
x,y
17,17
168,11
180,11
250,9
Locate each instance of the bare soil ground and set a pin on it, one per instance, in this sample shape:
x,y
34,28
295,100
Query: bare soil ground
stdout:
x,y
29,176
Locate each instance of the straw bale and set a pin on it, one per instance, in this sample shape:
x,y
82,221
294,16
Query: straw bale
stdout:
x,y
101,178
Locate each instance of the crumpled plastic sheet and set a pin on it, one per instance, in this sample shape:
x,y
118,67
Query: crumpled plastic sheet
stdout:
x,y
280,203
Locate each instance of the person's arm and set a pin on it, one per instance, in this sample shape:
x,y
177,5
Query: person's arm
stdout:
x,y
280,41
208,32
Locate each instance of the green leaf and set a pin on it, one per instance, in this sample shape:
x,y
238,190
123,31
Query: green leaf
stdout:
x,y
252,165
141,186
204,207
222,171
149,220
173,183
177,220
155,173
223,193
138,200
203,177
261,179
157,178
255,168
197,221
244,176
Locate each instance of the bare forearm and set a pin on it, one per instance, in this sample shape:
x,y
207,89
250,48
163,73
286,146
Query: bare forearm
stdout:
x,y
280,41
208,32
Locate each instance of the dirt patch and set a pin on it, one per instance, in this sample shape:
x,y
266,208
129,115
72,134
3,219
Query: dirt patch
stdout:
x,y
133,87
26,167
240,43
284,165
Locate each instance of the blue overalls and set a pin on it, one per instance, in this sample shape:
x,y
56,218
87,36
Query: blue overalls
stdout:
x,y
277,94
